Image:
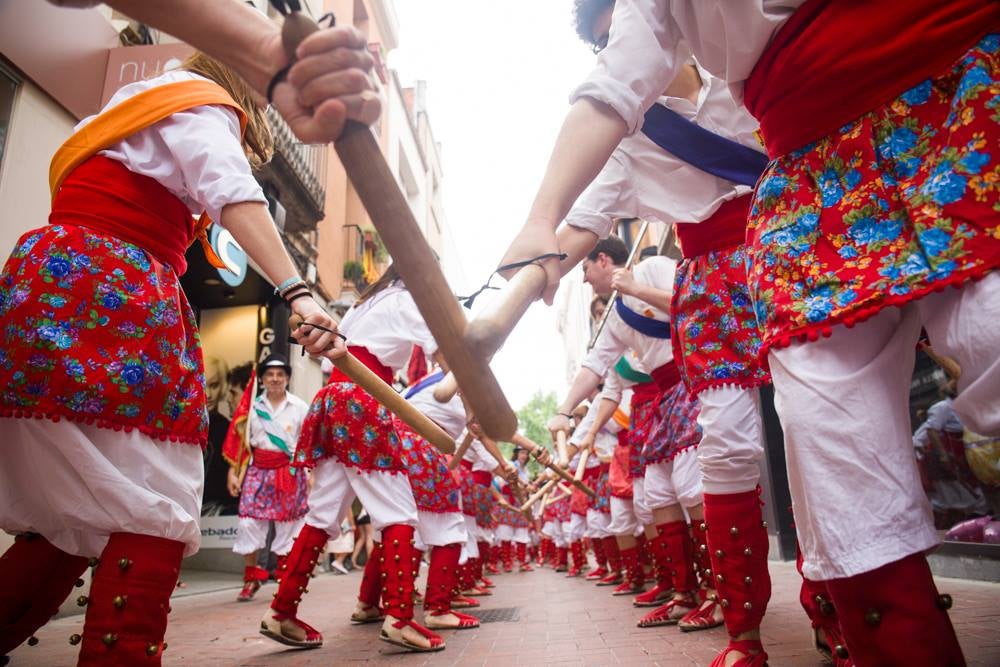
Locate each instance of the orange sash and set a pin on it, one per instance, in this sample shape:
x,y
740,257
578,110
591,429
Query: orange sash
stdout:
x,y
133,115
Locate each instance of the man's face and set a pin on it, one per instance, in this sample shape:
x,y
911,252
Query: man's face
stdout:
x,y
275,380
597,273
600,29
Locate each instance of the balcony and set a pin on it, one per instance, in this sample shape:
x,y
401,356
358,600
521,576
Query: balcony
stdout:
x,y
298,173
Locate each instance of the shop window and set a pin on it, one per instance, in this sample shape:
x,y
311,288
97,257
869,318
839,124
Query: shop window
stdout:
x,y
8,90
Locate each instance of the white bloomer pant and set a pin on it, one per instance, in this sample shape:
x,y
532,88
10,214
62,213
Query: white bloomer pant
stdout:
x,y
387,497
629,516
75,484
732,439
577,527
842,401
598,524
674,482
251,535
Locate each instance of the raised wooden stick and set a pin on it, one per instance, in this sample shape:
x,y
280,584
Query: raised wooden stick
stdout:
x,y
561,446
522,441
376,387
538,494
581,466
390,212
463,447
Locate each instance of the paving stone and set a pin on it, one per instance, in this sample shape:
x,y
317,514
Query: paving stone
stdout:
x,y
560,622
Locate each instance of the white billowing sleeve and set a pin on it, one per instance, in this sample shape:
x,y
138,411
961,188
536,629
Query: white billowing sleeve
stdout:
x,y
611,195
614,387
205,142
419,332
584,426
645,52
609,347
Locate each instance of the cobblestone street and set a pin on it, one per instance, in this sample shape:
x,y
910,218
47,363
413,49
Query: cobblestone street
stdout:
x,y
547,620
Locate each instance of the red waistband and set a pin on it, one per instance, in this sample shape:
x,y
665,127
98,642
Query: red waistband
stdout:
x,y
103,195
482,477
622,440
268,459
369,360
834,61
725,228
643,393
666,376
466,464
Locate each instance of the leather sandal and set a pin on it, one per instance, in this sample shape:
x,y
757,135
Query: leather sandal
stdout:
x,y
705,617
465,621
368,614
436,642
747,648
274,626
670,613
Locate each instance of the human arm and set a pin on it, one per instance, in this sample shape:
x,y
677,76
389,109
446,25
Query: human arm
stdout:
x,y
327,86
584,383
644,53
233,482
624,281
252,227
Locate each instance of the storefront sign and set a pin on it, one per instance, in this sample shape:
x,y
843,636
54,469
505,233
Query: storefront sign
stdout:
x,y
218,532
230,252
129,64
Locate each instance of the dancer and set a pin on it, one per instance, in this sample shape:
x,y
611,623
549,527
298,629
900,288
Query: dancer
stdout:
x,y
87,295
824,96
350,441
273,489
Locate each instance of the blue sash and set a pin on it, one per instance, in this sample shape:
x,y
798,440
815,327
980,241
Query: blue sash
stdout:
x,y
647,326
701,148
433,378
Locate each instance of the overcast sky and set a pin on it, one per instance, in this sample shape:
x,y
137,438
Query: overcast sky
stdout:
x,y
498,78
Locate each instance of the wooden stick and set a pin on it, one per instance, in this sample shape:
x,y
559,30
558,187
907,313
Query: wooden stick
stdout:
x,y
416,263
581,467
522,441
376,387
614,295
538,494
561,446
463,447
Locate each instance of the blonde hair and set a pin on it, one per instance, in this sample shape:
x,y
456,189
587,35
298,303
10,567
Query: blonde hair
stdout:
x,y
258,142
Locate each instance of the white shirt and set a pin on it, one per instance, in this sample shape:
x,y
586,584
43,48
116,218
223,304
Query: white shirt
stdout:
x,y
582,429
289,416
940,417
641,180
652,39
450,416
617,337
195,154
388,325
478,456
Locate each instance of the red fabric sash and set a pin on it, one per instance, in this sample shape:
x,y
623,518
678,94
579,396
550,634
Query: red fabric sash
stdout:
x,y
267,459
726,228
642,393
666,376
834,61
103,195
466,464
369,360
482,477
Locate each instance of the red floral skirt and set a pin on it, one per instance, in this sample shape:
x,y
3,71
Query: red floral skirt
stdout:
x,y
895,205
601,502
716,338
267,493
345,423
434,488
96,330
676,427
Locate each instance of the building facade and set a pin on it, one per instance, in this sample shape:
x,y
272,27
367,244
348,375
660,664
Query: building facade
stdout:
x,y
59,65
